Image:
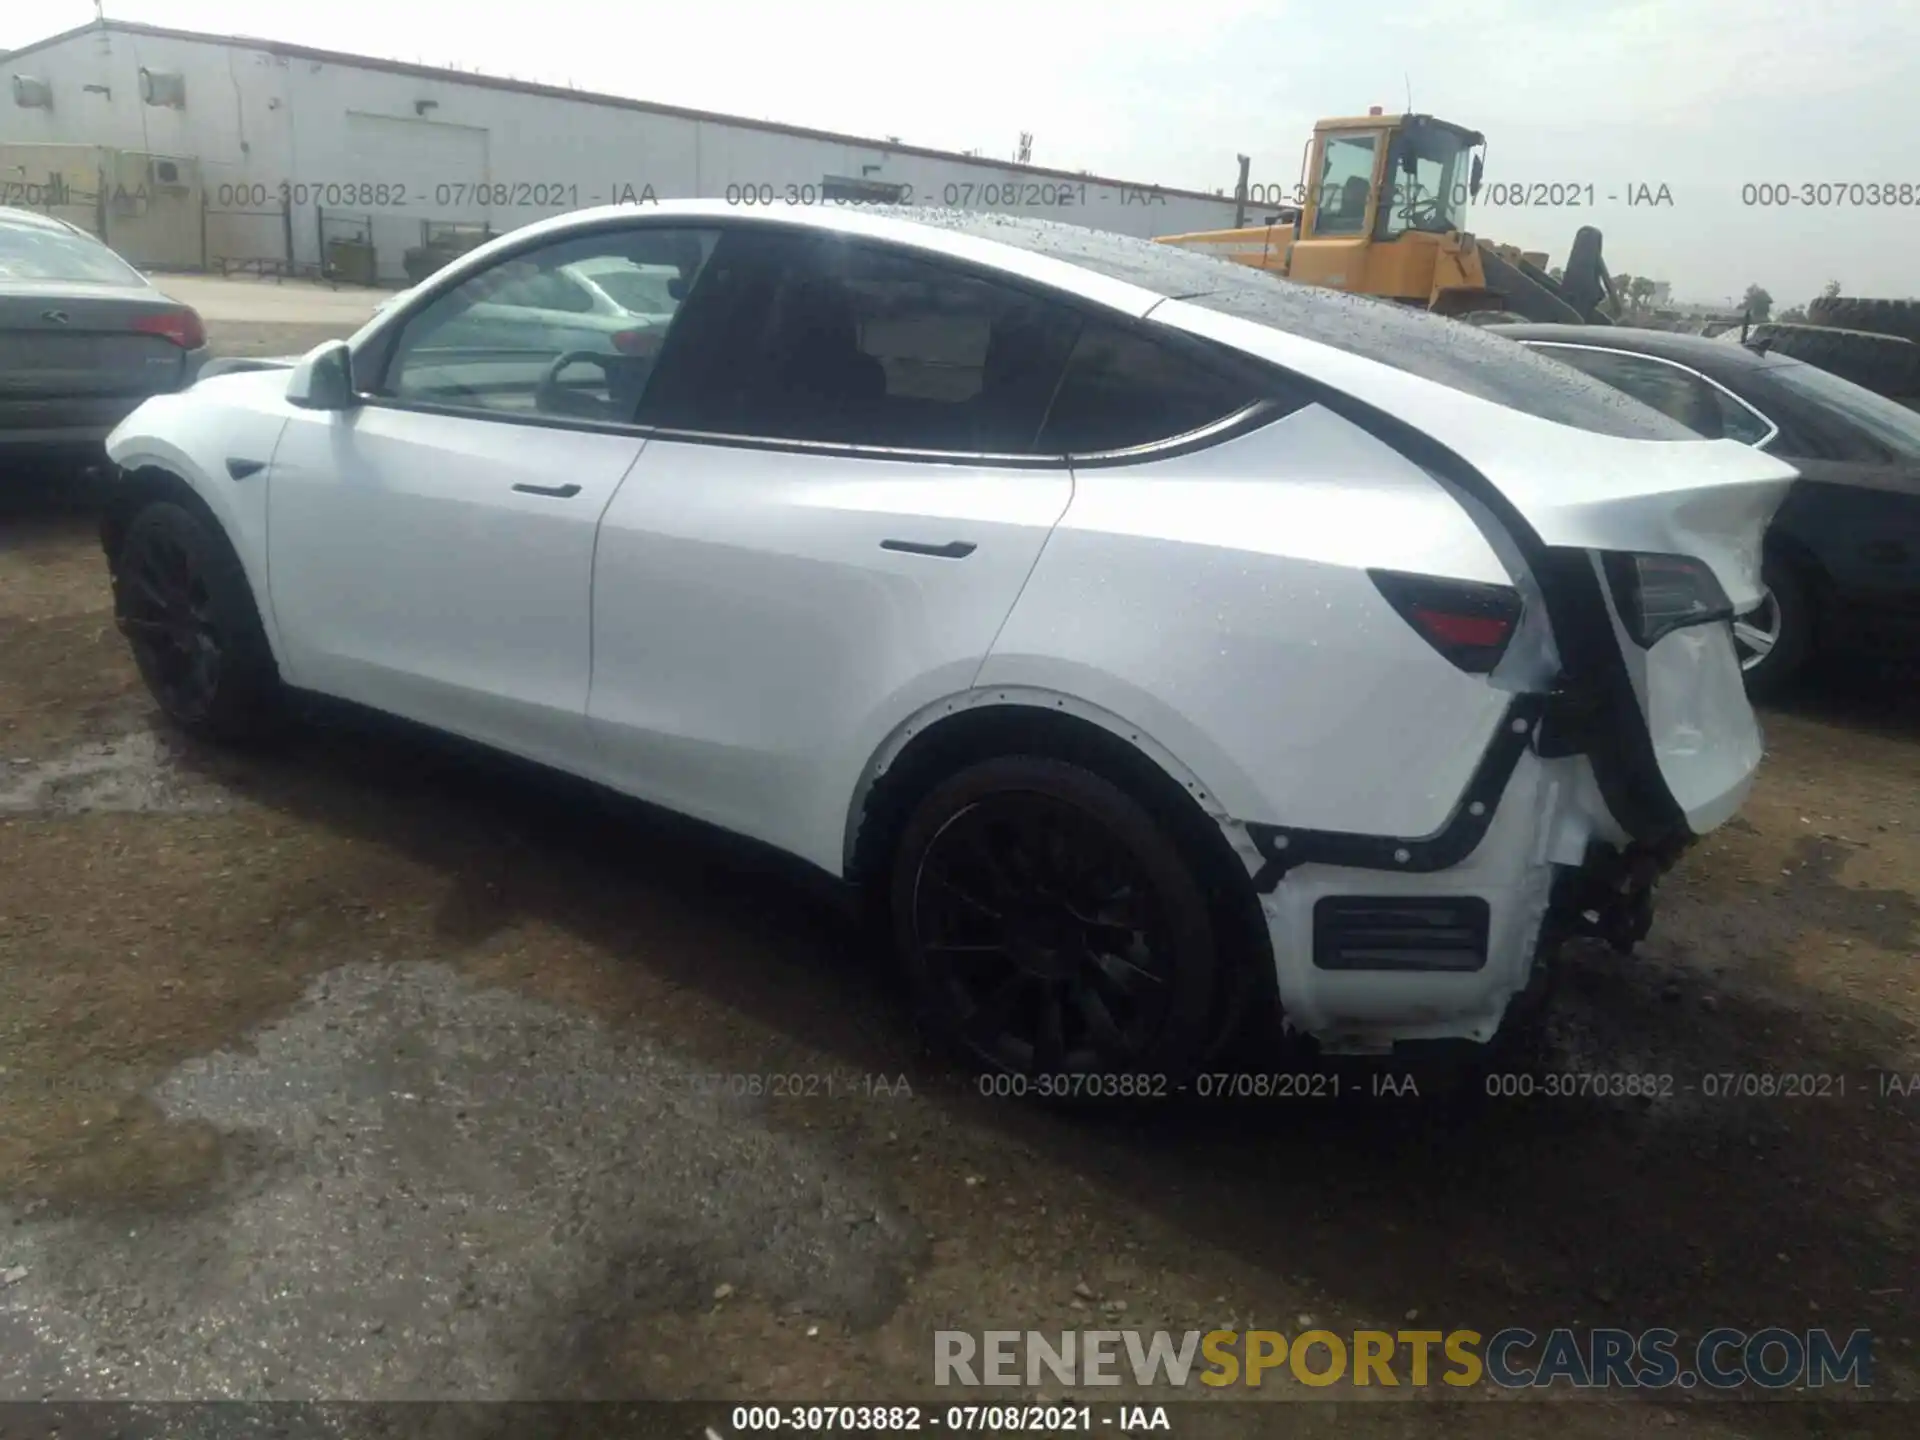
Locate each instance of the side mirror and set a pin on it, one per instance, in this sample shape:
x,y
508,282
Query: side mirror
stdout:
x,y
324,379
1473,180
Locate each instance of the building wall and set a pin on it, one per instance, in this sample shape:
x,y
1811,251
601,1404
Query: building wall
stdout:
x,y
351,150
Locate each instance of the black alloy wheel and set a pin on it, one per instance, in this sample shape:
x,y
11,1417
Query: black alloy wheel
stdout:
x,y
182,600
167,613
1052,927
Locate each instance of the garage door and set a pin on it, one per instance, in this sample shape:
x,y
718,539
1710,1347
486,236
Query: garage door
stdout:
x,y
422,173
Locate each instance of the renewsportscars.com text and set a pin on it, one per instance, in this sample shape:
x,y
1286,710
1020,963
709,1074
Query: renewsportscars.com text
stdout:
x,y
1512,1358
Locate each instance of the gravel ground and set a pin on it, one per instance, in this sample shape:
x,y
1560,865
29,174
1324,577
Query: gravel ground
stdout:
x,y
365,1069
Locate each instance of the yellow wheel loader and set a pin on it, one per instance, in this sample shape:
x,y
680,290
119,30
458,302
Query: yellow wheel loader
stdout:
x,y
1379,210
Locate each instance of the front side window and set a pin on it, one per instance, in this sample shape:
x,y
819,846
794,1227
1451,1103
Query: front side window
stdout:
x,y
537,335
1346,184
812,338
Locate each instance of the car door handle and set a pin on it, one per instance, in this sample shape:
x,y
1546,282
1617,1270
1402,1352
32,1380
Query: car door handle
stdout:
x,y
952,550
240,469
559,492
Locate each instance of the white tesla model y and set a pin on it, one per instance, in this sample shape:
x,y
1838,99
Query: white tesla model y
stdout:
x,y
1155,638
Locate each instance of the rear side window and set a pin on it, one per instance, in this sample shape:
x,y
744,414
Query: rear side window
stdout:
x,y
1123,389
34,252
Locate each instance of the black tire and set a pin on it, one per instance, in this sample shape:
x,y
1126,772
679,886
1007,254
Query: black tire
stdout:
x,y
1884,364
1773,674
181,598
1876,317
993,880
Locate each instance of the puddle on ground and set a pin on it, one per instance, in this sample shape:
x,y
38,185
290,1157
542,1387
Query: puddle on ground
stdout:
x,y
137,772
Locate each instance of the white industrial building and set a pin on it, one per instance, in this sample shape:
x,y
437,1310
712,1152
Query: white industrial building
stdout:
x,y
217,152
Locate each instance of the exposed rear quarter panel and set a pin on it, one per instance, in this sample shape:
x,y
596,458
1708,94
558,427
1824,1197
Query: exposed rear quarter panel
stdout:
x,y
1219,601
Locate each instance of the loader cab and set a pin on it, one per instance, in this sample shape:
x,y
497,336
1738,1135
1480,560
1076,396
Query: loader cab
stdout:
x,y
1385,199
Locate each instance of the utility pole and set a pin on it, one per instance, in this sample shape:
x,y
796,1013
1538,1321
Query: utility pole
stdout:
x,y
1240,196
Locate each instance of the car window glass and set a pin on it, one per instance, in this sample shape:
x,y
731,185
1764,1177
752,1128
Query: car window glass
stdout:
x,y
1123,389
1674,392
1740,422
545,290
1469,358
41,252
533,335
1346,182
800,337
1892,426
643,289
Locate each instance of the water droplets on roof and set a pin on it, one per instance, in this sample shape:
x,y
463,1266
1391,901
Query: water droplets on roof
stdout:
x,y
1449,352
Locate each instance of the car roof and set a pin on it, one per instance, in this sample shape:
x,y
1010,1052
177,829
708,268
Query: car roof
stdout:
x,y
1699,351
10,215
1134,276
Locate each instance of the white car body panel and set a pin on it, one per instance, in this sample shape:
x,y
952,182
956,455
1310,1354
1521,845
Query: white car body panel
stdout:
x,y
714,626
753,643
1575,487
1245,568
193,433
407,574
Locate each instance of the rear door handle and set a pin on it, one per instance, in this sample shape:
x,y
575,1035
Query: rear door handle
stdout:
x,y
559,492
952,550
240,469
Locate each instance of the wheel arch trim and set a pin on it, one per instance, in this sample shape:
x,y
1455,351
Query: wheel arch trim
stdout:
x,y
178,468
934,716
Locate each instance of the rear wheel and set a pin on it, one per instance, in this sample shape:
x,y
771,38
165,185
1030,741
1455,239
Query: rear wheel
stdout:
x,y
182,600
1052,928
1775,638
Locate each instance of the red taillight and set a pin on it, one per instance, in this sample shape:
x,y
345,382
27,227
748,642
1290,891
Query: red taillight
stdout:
x,y
633,342
1466,621
1479,630
181,326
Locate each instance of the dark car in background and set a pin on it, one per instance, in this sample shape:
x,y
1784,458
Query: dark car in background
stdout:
x,y
1843,553
84,338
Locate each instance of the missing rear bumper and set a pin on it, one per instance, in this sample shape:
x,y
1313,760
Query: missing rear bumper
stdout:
x,y
1610,897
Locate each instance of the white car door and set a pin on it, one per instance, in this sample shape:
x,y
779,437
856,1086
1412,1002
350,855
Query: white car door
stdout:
x,y
430,550
778,584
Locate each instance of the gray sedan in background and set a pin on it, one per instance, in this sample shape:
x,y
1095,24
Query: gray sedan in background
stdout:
x,y
84,338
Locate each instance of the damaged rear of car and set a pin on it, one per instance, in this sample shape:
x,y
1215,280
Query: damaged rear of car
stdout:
x,y
1446,648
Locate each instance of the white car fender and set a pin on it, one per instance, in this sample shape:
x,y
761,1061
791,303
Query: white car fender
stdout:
x,y
1042,700
193,435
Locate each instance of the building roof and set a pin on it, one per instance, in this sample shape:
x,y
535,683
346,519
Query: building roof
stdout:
x,y
588,97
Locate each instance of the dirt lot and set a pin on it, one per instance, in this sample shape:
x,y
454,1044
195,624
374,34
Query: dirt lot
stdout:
x,y
363,1069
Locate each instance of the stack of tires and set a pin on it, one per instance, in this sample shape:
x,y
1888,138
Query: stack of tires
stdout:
x,y
1874,343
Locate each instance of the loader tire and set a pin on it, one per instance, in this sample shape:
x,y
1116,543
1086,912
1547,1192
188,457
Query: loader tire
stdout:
x,y
1876,317
1884,364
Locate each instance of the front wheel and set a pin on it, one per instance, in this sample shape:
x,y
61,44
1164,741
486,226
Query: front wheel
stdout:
x,y
182,600
1052,927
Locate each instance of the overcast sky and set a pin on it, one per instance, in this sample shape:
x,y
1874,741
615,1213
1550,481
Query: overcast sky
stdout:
x,y
1702,96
